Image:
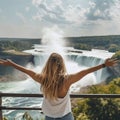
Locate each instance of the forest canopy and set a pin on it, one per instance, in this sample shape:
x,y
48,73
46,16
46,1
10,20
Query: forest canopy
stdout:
x,y
110,43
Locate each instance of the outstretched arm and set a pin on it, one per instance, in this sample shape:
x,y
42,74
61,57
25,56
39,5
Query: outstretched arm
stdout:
x,y
77,76
20,68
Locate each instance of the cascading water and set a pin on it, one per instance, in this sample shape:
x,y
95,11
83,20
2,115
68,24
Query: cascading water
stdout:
x,y
77,62
52,42
90,61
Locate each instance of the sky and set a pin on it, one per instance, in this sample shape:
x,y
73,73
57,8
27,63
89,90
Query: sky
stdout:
x,y
29,18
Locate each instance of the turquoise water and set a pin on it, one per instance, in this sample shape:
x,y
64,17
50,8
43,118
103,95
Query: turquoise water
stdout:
x,y
25,86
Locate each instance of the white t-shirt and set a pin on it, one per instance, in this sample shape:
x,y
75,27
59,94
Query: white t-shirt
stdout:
x,y
57,108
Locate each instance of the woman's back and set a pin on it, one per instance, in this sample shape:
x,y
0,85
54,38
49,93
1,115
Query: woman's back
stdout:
x,y
57,108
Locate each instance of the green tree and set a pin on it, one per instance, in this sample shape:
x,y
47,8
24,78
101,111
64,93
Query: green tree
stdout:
x,y
103,109
99,108
113,48
116,55
27,116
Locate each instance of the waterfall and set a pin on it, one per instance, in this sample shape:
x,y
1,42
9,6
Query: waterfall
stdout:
x,y
90,61
53,41
80,61
75,63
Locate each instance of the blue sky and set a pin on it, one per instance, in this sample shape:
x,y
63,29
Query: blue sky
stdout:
x,y
29,18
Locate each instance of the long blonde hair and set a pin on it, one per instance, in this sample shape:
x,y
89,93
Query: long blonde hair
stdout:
x,y
53,75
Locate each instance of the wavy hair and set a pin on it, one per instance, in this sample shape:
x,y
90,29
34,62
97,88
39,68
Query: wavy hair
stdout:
x,y
52,76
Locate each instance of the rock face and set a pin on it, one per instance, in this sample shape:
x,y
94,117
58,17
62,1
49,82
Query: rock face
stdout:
x,y
7,72
115,72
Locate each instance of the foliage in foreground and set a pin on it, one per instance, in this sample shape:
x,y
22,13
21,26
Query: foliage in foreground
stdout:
x,y
112,88
99,108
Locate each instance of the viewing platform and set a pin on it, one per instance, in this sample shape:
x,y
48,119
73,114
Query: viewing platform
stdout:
x,y
41,95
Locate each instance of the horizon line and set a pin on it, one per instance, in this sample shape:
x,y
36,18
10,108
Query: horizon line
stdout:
x,y
63,37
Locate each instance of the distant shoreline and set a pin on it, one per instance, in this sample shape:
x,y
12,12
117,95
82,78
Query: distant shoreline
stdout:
x,y
13,52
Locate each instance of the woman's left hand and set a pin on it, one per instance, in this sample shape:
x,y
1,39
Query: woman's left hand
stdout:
x,y
111,62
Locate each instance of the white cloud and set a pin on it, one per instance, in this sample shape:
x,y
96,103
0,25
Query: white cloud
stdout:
x,y
52,6
49,10
56,3
115,11
99,10
59,11
27,9
104,20
75,17
105,3
101,15
37,17
21,16
52,16
75,14
97,13
36,2
40,14
49,5
92,4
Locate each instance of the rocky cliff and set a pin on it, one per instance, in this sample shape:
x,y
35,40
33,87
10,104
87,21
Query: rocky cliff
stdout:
x,y
114,71
9,73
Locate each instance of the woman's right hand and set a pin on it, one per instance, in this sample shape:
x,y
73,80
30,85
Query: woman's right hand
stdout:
x,y
7,62
111,62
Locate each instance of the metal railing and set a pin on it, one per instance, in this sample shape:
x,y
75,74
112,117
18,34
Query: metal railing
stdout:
x,y
40,95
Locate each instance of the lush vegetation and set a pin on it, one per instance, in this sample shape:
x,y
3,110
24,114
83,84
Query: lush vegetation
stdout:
x,y
113,48
117,55
99,108
110,43
17,44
